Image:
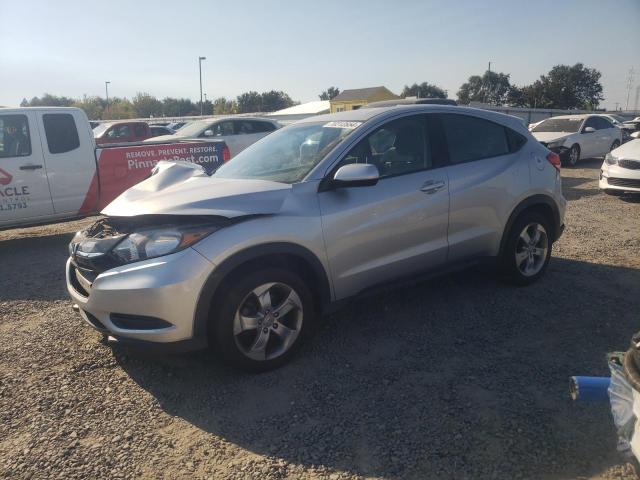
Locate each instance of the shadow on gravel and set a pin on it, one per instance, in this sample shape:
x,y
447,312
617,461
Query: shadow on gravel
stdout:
x,y
33,267
460,377
572,188
589,163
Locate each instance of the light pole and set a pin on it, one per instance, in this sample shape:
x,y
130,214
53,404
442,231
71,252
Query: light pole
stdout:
x,y
205,99
106,89
200,69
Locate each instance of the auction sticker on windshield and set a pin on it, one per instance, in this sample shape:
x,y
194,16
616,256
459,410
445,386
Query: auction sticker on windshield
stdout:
x,y
345,125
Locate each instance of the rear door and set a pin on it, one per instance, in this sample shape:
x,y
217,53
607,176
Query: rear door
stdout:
x,y
70,158
24,191
607,134
396,227
487,174
140,132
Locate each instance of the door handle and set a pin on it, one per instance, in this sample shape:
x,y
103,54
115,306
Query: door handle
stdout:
x,y
30,167
432,186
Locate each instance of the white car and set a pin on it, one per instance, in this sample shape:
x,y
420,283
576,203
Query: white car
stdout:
x,y
578,136
237,132
621,169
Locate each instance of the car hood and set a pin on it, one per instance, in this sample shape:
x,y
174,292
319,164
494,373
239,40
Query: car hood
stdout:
x,y
629,150
548,137
180,188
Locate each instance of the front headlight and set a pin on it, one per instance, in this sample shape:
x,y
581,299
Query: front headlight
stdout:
x,y
610,159
153,243
555,144
140,245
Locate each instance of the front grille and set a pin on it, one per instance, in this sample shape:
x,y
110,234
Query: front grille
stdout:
x,y
630,164
624,182
81,279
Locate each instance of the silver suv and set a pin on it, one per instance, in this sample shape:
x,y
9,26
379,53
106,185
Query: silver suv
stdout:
x,y
246,260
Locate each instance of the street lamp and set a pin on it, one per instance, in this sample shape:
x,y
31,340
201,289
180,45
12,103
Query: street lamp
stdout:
x,y
106,89
200,69
205,98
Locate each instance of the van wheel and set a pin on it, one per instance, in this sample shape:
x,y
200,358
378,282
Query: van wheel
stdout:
x,y
262,318
528,249
574,155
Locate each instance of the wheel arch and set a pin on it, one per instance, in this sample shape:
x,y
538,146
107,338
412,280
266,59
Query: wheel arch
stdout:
x,y
541,203
271,254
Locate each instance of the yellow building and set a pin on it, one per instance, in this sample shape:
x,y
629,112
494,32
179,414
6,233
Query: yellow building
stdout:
x,y
354,99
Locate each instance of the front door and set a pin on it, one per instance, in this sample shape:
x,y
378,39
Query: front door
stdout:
x,y
24,191
396,227
70,158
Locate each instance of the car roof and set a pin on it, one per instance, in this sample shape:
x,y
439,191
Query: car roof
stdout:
x,y
577,116
365,114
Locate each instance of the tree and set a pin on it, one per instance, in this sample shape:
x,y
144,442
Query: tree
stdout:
x,y
274,100
48,100
146,105
424,90
119,108
330,93
492,88
94,107
249,102
574,86
222,106
24,102
178,107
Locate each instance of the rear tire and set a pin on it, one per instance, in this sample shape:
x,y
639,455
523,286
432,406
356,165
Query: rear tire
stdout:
x,y
261,318
528,249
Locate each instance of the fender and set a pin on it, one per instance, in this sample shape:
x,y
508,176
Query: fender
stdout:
x,y
221,271
533,201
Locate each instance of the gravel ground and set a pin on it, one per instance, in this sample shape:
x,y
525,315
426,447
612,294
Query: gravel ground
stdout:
x,y
460,377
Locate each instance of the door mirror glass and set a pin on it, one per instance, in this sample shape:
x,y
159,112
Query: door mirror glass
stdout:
x,y
208,133
356,175
588,130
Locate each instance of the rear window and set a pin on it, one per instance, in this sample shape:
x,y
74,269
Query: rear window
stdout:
x,y
61,132
15,140
471,138
139,130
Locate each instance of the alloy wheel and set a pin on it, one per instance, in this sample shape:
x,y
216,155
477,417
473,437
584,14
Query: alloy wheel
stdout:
x,y
268,321
531,249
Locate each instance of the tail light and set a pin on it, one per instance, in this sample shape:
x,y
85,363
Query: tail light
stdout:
x,y
226,154
554,159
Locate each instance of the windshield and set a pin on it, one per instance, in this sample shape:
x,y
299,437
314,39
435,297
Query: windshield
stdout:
x,y
617,118
100,129
559,125
193,129
288,154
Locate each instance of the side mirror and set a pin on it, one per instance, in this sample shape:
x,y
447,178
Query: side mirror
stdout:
x,y
588,130
356,175
208,133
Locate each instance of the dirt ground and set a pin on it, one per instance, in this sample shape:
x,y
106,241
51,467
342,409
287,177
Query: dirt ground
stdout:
x,y
459,377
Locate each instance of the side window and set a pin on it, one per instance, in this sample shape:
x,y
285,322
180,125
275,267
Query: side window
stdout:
x,y
222,129
61,132
590,122
15,140
139,130
516,141
471,138
261,127
602,123
119,131
244,127
397,148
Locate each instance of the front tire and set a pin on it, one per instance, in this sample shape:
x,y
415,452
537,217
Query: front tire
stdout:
x,y
528,249
261,318
614,145
574,155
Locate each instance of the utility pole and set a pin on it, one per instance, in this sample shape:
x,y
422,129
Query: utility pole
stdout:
x,y
635,107
485,87
629,84
200,69
617,103
106,89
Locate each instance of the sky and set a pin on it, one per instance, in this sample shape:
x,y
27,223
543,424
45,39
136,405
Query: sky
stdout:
x,y
303,47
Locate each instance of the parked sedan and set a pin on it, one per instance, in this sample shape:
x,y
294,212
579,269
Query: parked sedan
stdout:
x,y
578,136
237,132
621,169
